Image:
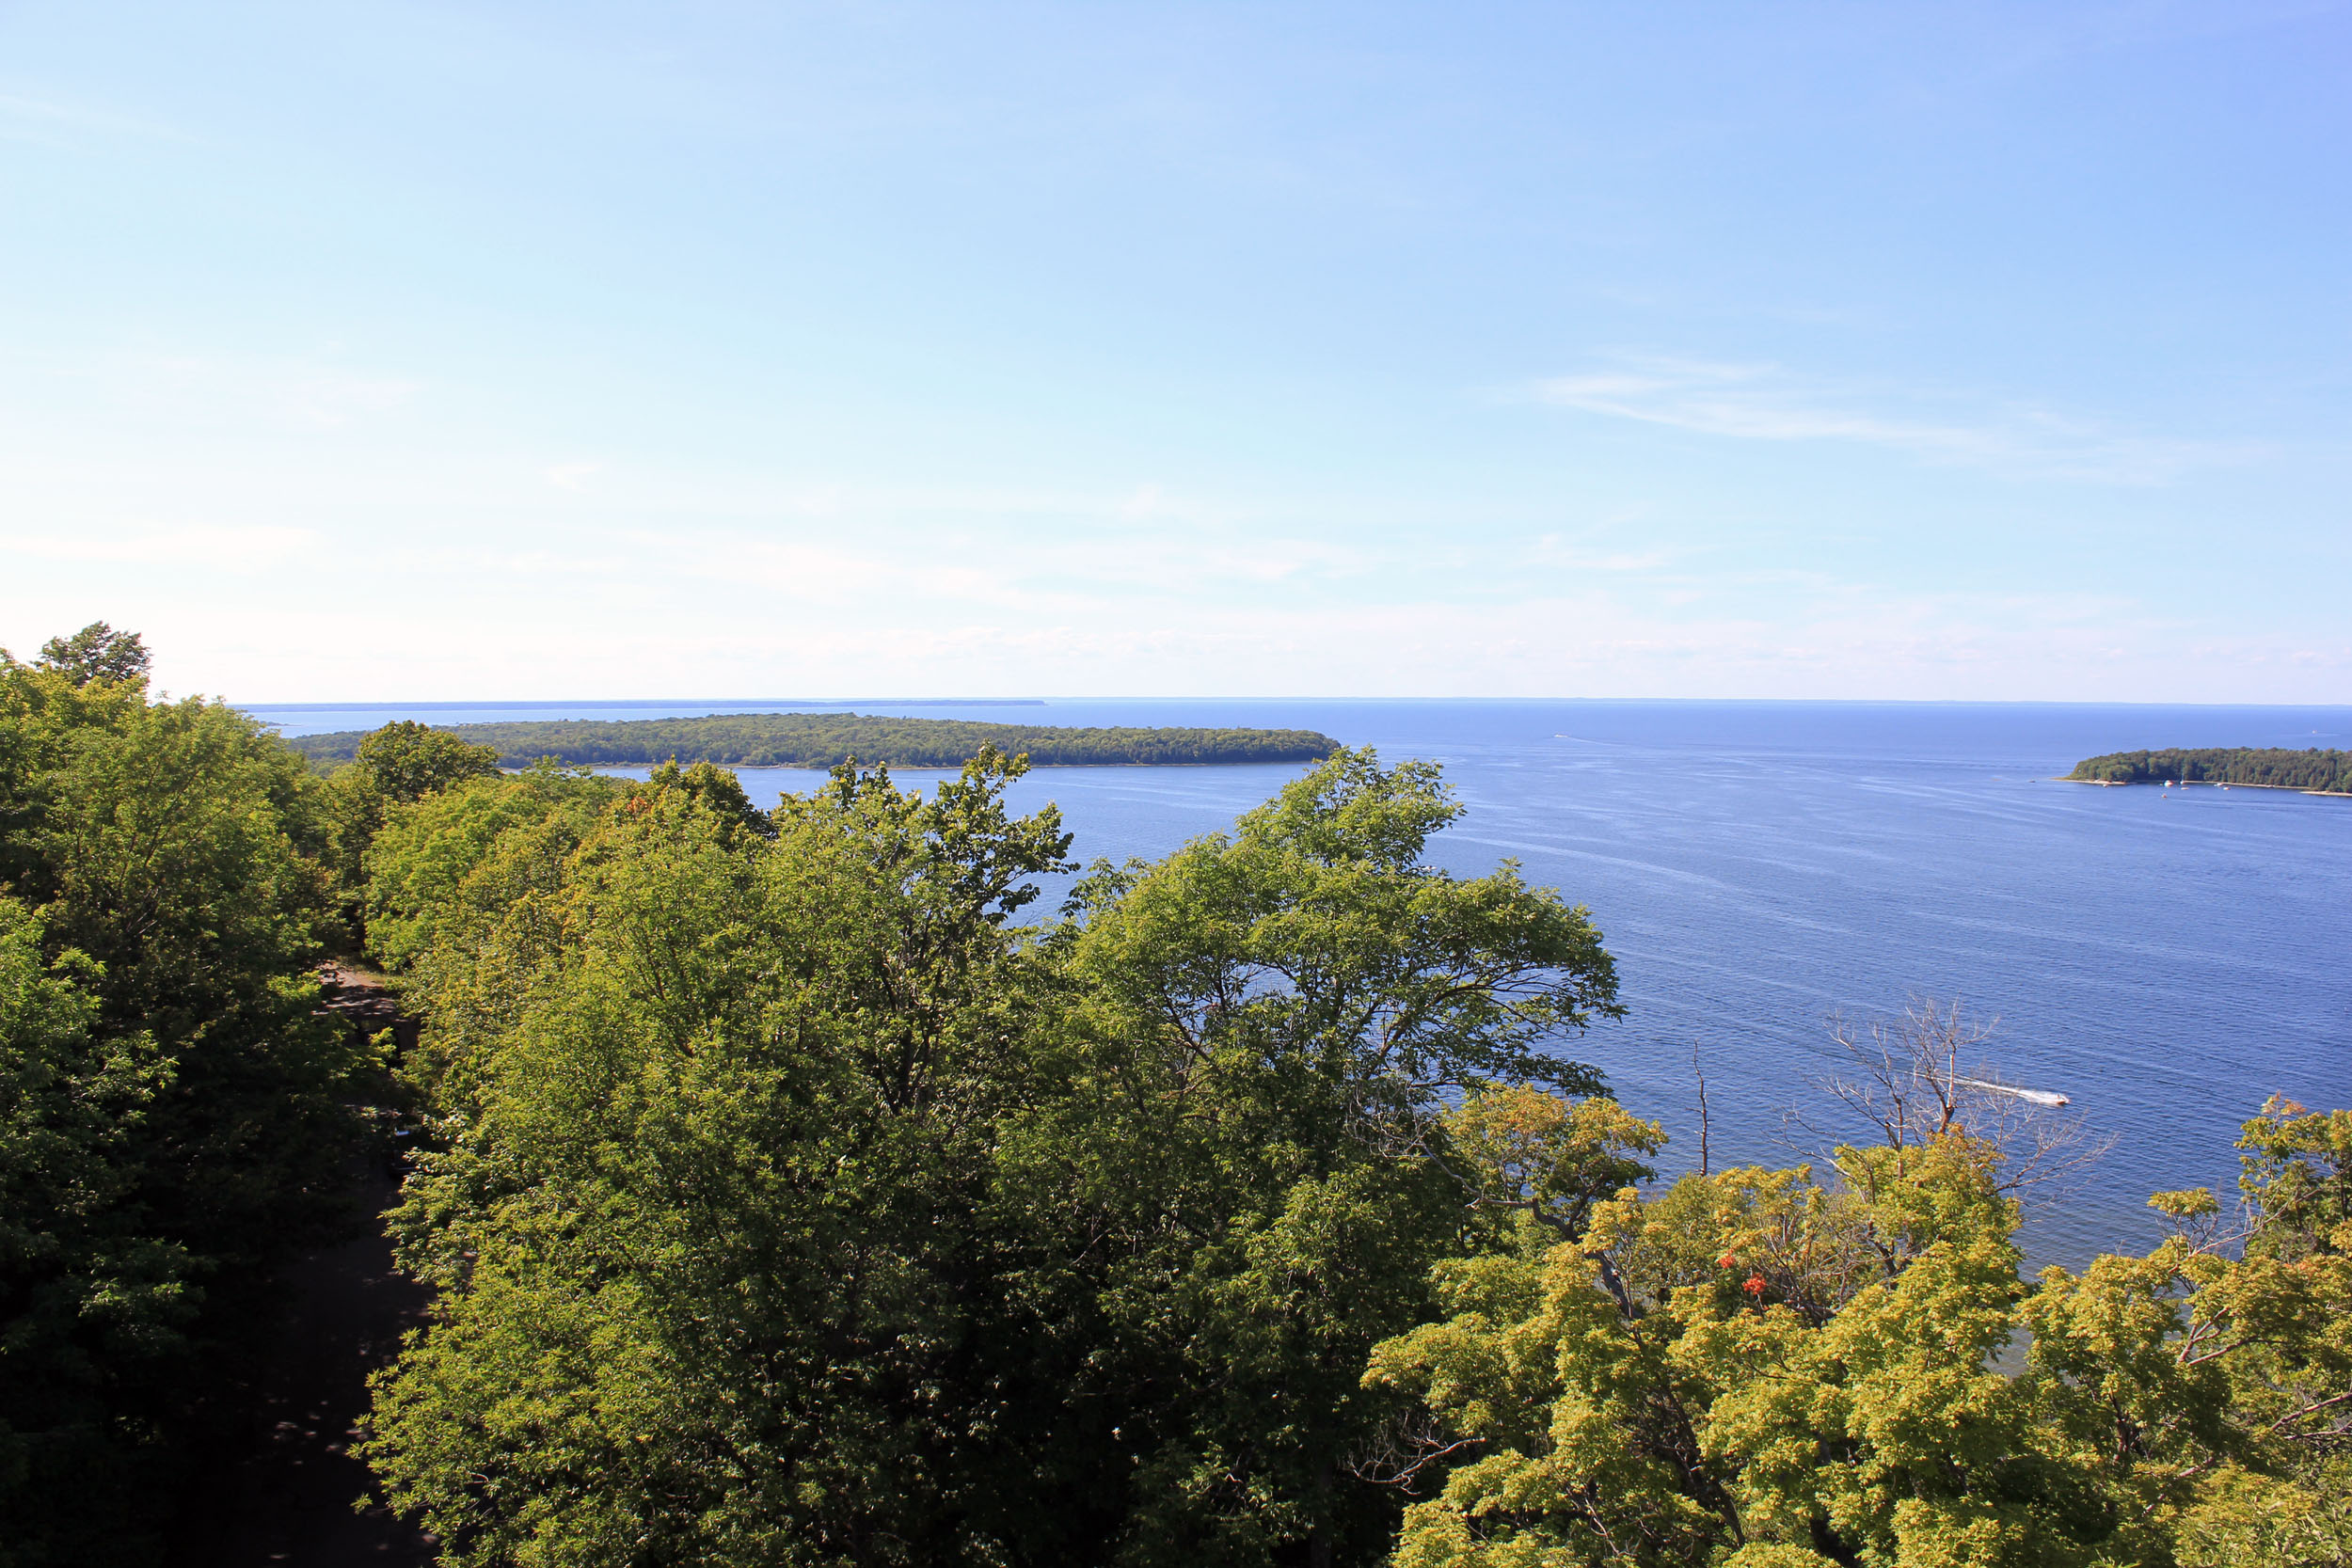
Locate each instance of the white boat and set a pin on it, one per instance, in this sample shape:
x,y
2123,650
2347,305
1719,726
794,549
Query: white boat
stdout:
x,y
2038,1096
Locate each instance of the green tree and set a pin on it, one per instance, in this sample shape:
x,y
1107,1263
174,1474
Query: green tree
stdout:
x,y
700,1290
407,761
798,1209
93,1305
716,788
97,653
397,764
439,868
190,1126
2208,1384
1260,1035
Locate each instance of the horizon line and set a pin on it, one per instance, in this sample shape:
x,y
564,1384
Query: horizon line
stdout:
x,y
436,703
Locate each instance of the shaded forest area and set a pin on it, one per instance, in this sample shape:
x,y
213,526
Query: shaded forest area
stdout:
x,y
2327,771
829,739
782,1201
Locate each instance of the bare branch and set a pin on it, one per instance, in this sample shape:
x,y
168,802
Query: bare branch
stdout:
x,y
1926,1074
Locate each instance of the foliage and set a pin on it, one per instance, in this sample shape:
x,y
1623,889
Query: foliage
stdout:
x,y
829,739
796,1208
174,1111
2208,1385
2272,766
90,1306
425,866
407,761
1261,1035
789,1202
97,653
697,1293
397,764
1754,1367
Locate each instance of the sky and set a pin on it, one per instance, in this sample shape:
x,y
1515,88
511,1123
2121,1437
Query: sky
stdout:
x,y
415,352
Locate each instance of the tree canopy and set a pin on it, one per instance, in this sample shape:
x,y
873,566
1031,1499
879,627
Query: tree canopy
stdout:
x,y
793,1196
173,1118
798,1207
97,653
1035,1245
824,741
2314,769
1759,1366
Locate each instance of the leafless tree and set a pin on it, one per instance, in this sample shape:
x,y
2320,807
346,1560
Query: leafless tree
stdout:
x,y
1699,1071
1928,1073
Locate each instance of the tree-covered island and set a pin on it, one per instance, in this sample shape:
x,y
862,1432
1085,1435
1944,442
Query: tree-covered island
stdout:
x,y
828,739
2324,773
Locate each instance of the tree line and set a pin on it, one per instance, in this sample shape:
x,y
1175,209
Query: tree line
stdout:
x,y
2329,770
788,1201
828,739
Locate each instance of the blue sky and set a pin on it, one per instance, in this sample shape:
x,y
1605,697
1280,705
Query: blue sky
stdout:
x,y
1919,351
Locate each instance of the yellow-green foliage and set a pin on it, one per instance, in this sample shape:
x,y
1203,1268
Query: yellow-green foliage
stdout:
x,y
1758,1368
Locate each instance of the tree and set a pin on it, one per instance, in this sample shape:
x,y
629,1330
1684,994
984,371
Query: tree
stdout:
x,y
1261,1037
1757,1369
798,1207
176,1117
402,763
443,866
2207,1386
93,1305
1604,1400
717,788
407,761
698,1298
97,653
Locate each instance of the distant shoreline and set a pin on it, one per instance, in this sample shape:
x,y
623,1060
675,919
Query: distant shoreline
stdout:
x,y
825,741
2201,783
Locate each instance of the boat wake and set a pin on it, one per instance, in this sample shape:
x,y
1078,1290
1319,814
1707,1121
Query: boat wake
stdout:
x,y
2038,1096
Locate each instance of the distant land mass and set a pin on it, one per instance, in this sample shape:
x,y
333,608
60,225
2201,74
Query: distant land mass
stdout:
x,y
824,739
2269,768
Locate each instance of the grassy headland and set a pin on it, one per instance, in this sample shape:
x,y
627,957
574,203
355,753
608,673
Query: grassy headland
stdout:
x,y
825,739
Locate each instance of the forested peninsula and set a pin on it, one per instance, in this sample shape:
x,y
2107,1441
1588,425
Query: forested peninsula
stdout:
x,y
785,1202
828,739
2316,771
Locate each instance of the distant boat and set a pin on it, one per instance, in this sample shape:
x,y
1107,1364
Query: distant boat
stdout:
x,y
2038,1097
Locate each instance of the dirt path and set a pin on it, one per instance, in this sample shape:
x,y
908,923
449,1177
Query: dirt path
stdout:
x,y
289,1500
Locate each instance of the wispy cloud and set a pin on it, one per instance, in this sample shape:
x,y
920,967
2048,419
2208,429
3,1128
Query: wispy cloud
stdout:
x,y
233,548
24,117
1552,550
255,392
1769,402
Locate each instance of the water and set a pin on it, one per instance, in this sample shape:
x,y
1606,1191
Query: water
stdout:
x,y
1759,868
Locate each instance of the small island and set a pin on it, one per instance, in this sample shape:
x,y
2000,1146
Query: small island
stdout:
x,y
2313,771
826,739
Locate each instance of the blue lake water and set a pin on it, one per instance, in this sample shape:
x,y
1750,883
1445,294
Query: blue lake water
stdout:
x,y
1758,868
